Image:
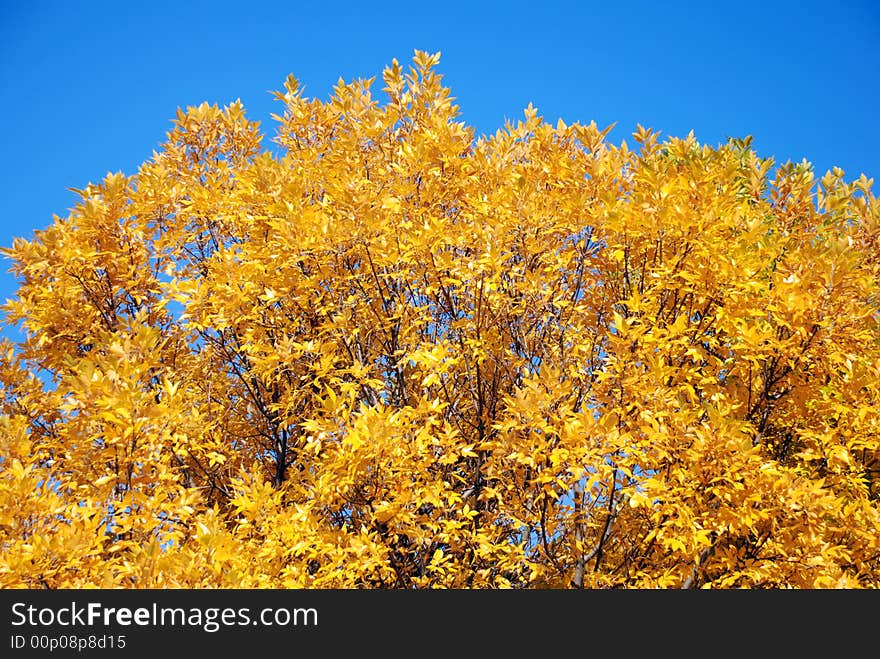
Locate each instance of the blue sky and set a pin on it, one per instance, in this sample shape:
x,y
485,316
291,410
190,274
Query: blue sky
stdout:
x,y
91,87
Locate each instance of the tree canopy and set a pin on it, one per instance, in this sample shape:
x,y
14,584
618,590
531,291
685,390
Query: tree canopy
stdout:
x,y
384,352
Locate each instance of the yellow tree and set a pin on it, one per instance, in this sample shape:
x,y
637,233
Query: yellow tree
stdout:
x,y
392,354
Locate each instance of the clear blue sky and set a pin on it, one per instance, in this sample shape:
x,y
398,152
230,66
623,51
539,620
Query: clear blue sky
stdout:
x,y
90,87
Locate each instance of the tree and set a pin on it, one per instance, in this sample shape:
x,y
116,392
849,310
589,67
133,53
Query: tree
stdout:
x,y
390,354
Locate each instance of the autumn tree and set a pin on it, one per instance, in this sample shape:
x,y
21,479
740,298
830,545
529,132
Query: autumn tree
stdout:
x,y
388,353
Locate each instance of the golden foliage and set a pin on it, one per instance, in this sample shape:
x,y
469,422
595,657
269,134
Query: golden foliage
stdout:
x,y
390,354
